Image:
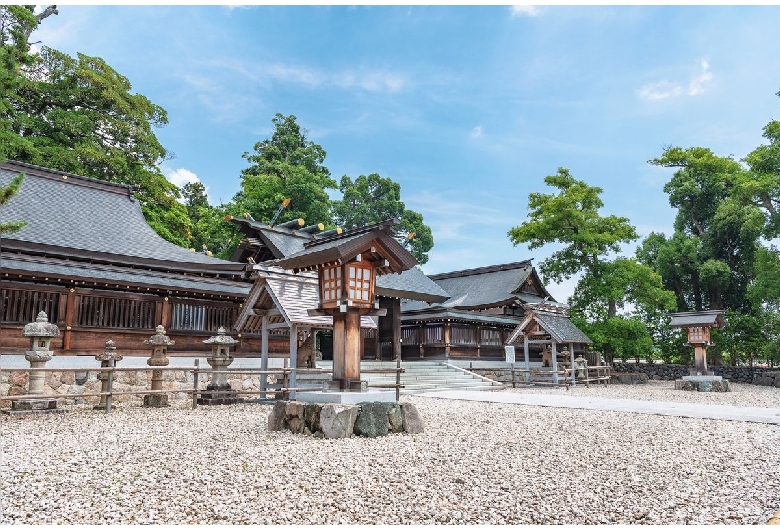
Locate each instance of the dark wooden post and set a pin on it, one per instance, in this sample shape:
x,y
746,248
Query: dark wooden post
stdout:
x,y
70,317
396,306
477,333
447,339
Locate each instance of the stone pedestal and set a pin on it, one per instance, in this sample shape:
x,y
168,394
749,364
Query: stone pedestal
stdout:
x,y
108,359
40,333
159,342
702,383
219,362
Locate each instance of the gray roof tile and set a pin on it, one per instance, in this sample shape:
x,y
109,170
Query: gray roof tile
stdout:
x,y
88,215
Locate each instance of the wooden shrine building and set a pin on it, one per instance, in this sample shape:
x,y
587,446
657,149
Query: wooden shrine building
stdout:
x,y
485,305
88,259
547,330
264,245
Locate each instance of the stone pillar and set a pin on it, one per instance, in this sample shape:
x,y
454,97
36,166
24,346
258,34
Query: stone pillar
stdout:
x,y
159,343
40,332
108,359
219,361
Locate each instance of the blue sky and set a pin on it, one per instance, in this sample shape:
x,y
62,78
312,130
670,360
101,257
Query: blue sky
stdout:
x,y
468,108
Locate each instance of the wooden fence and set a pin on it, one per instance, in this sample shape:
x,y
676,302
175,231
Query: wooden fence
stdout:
x,y
282,390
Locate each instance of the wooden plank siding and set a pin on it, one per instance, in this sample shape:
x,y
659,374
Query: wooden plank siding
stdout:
x,y
88,318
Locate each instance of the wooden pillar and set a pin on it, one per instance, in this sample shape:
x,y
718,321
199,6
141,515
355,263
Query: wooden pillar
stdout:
x,y
700,359
264,354
293,358
571,364
447,334
346,347
555,361
476,337
377,344
527,358
396,307
70,317
421,339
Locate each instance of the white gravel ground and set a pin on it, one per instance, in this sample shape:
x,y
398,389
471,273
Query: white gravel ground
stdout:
x,y
477,463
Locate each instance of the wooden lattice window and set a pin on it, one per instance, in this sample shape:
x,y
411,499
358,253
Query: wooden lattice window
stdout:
x,y
360,286
409,335
490,337
330,284
434,334
200,317
463,335
22,307
102,312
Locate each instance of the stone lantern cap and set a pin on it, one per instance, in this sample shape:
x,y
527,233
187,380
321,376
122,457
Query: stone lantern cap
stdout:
x,y
159,338
41,327
109,354
221,338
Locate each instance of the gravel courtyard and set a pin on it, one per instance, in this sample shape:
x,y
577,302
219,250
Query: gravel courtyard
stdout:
x,y
477,463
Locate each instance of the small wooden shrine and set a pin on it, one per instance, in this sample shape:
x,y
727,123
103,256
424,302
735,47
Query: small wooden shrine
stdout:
x,y
698,325
347,266
548,325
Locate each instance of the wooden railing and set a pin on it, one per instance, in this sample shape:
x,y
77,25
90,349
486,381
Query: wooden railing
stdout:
x,y
541,376
280,391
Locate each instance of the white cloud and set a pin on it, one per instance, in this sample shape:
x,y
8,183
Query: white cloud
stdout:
x,y
182,176
476,132
525,11
666,89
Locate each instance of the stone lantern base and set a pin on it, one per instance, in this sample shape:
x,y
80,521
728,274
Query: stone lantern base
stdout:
x,y
33,406
156,400
230,398
702,383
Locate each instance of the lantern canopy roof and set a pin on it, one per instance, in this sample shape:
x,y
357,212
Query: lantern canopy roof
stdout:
x,y
41,327
341,248
712,318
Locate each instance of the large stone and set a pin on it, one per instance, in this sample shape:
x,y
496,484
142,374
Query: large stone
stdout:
x,y
394,419
412,420
372,420
338,421
18,379
276,417
630,378
311,413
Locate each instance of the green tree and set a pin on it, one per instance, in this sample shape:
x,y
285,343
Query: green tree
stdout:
x,y
287,165
372,199
571,218
78,115
6,192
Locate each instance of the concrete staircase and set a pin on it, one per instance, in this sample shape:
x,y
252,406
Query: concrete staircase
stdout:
x,y
423,376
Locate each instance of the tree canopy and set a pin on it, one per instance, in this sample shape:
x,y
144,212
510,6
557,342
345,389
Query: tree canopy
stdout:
x,y
287,165
372,199
589,241
79,115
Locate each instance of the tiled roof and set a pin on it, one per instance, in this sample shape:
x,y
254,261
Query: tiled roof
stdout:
x,y
344,247
107,276
283,242
482,288
292,294
410,284
697,318
559,326
91,217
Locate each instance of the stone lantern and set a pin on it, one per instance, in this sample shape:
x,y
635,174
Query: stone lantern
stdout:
x,y
40,332
108,359
159,343
698,325
347,266
219,361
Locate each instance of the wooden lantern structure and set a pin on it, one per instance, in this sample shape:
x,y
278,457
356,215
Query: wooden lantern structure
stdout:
x,y
698,325
347,266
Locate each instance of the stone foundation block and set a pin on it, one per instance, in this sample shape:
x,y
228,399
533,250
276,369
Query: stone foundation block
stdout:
x,y
338,421
412,420
276,417
372,420
156,400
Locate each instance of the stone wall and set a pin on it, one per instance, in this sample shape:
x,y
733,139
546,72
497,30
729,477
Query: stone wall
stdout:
x,y
671,372
70,385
